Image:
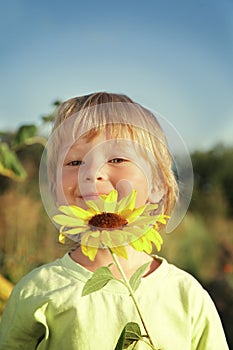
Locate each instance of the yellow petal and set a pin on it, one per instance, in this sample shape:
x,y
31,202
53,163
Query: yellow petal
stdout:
x,y
155,237
121,236
162,219
62,238
111,197
85,238
76,212
152,234
147,246
157,245
90,244
138,245
135,232
125,213
89,251
93,205
150,207
134,228
67,220
113,238
127,202
110,207
120,251
135,213
144,220
110,201
75,230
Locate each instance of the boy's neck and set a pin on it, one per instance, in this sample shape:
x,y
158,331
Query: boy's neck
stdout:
x,y
104,258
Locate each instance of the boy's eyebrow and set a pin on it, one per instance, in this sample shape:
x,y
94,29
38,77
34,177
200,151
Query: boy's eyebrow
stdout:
x,y
76,147
67,151
73,147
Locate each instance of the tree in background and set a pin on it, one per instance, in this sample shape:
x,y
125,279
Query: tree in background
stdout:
x,y
213,191
12,143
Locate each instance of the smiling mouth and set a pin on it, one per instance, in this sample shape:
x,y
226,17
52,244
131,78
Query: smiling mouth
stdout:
x,y
91,196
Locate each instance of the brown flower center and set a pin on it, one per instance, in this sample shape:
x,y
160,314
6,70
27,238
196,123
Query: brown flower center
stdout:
x,y
108,220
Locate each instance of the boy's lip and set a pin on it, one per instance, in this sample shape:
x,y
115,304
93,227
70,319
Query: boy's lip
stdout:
x,y
91,196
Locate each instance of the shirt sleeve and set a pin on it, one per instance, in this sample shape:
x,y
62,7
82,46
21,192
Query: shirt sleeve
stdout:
x,y
208,332
22,326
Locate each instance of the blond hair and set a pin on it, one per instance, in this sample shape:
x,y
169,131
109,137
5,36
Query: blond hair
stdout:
x,y
121,118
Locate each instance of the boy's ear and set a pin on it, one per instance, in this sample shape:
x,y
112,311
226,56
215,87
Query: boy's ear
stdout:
x,y
155,195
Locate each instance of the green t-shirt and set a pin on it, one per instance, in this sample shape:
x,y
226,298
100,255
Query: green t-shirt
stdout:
x,y
47,311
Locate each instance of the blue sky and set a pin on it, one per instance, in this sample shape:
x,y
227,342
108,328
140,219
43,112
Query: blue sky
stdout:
x,y
174,57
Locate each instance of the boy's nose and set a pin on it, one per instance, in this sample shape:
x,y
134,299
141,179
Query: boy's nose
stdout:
x,y
93,178
93,174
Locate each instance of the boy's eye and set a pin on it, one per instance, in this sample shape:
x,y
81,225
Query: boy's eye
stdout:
x,y
75,163
117,160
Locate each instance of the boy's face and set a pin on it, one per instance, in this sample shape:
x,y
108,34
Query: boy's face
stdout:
x,y
97,166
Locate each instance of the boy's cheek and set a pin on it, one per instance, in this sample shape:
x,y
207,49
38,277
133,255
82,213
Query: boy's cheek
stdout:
x,y
64,191
60,196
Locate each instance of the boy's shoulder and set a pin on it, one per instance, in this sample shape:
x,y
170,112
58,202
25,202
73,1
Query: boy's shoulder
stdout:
x,y
185,284
179,279
44,276
183,277
53,281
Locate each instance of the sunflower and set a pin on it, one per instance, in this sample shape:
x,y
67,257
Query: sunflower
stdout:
x,y
111,224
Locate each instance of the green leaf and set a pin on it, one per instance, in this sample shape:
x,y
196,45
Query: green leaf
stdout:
x,y
130,334
135,279
10,165
121,340
57,103
24,133
48,118
98,280
133,331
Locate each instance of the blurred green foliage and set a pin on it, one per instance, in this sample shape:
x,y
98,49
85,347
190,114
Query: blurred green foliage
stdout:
x,y
213,190
10,165
11,143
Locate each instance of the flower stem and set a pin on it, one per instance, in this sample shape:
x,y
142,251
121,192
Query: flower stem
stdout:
x,y
132,294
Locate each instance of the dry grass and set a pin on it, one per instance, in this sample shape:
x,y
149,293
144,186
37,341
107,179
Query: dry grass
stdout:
x,y
27,237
